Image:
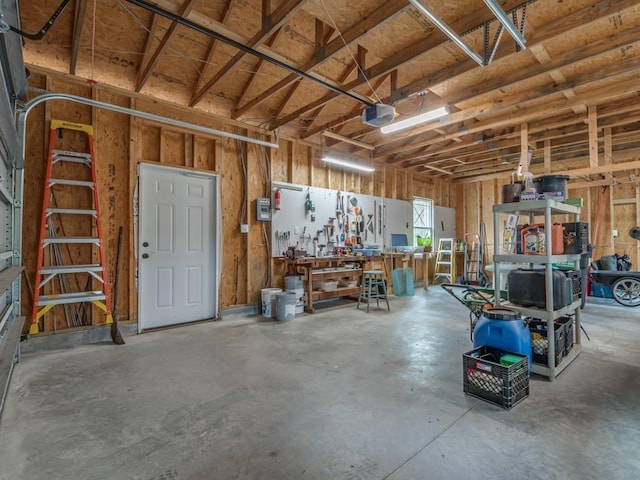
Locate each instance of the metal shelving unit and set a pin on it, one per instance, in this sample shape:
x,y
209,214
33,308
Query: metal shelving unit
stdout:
x,y
546,208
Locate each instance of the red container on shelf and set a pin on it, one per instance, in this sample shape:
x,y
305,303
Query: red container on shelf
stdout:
x,y
533,239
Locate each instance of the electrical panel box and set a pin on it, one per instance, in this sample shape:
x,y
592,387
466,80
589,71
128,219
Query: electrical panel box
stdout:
x,y
263,209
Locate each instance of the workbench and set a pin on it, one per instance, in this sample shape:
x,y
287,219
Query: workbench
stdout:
x,y
406,260
312,269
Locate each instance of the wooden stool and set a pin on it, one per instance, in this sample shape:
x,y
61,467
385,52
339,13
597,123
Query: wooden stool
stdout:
x,y
373,285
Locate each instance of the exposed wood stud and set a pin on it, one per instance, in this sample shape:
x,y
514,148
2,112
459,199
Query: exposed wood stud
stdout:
x,y
547,156
608,147
524,147
593,136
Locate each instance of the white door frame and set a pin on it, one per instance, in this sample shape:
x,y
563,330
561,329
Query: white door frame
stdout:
x,y
217,226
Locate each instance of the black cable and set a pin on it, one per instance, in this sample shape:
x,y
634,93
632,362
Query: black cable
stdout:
x,y
229,41
45,27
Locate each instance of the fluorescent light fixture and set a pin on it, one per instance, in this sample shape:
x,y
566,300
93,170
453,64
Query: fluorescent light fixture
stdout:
x,y
453,36
413,121
286,186
506,23
345,163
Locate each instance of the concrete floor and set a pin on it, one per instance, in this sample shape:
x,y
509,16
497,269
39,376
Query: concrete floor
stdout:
x,y
340,394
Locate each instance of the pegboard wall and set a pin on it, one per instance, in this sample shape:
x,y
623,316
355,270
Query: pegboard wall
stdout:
x,y
371,218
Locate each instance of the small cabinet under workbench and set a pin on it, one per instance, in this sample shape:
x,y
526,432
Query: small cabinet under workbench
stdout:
x,y
328,277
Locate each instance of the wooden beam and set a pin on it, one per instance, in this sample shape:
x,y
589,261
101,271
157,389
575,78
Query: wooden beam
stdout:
x,y
145,73
547,156
387,11
592,118
570,134
608,147
351,141
533,97
256,69
578,172
270,24
78,21
323,34
524,148
577,21
519,113
211,49
437,169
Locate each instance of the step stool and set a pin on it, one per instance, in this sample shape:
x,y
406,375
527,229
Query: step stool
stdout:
x,y
373,285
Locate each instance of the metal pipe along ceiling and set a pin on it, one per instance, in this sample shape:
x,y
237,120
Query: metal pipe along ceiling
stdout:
x,y
24,111
229,41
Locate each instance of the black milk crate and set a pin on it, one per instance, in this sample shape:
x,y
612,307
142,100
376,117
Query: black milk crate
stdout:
x,y
567,322
484,377
576,237
576,283
540,342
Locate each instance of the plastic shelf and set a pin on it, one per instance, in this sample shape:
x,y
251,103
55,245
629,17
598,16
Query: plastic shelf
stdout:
x,y
536,207
564,363
537,259
541,313
546,208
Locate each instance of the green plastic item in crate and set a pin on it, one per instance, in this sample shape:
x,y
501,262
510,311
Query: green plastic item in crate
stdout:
x,y
563,266
509,359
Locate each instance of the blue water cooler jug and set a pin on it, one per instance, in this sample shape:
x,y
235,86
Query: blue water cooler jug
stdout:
x,y
503,328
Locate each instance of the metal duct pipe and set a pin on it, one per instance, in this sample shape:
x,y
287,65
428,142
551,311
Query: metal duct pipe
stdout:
x,y
506,23
229,41
453,36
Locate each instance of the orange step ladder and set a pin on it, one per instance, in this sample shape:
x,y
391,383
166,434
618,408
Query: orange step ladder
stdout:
x,y
58,277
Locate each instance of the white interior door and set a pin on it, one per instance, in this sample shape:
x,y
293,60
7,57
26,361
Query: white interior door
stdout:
x,y
176,247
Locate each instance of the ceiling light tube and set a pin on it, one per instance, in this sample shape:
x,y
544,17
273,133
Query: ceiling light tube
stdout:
x,y
416,120
455,38
504,20
345,163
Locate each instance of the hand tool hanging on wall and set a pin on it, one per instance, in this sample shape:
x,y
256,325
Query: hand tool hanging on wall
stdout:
x,y
338,203
309,207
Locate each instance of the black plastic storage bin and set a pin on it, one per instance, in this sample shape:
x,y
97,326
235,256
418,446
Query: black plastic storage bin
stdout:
x,y
540,342
567,323
527,288
576,283
484,377
576,237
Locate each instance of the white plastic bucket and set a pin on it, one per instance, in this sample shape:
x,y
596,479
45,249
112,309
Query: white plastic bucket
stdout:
x,y
299,292
285,306
292,282
267,294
